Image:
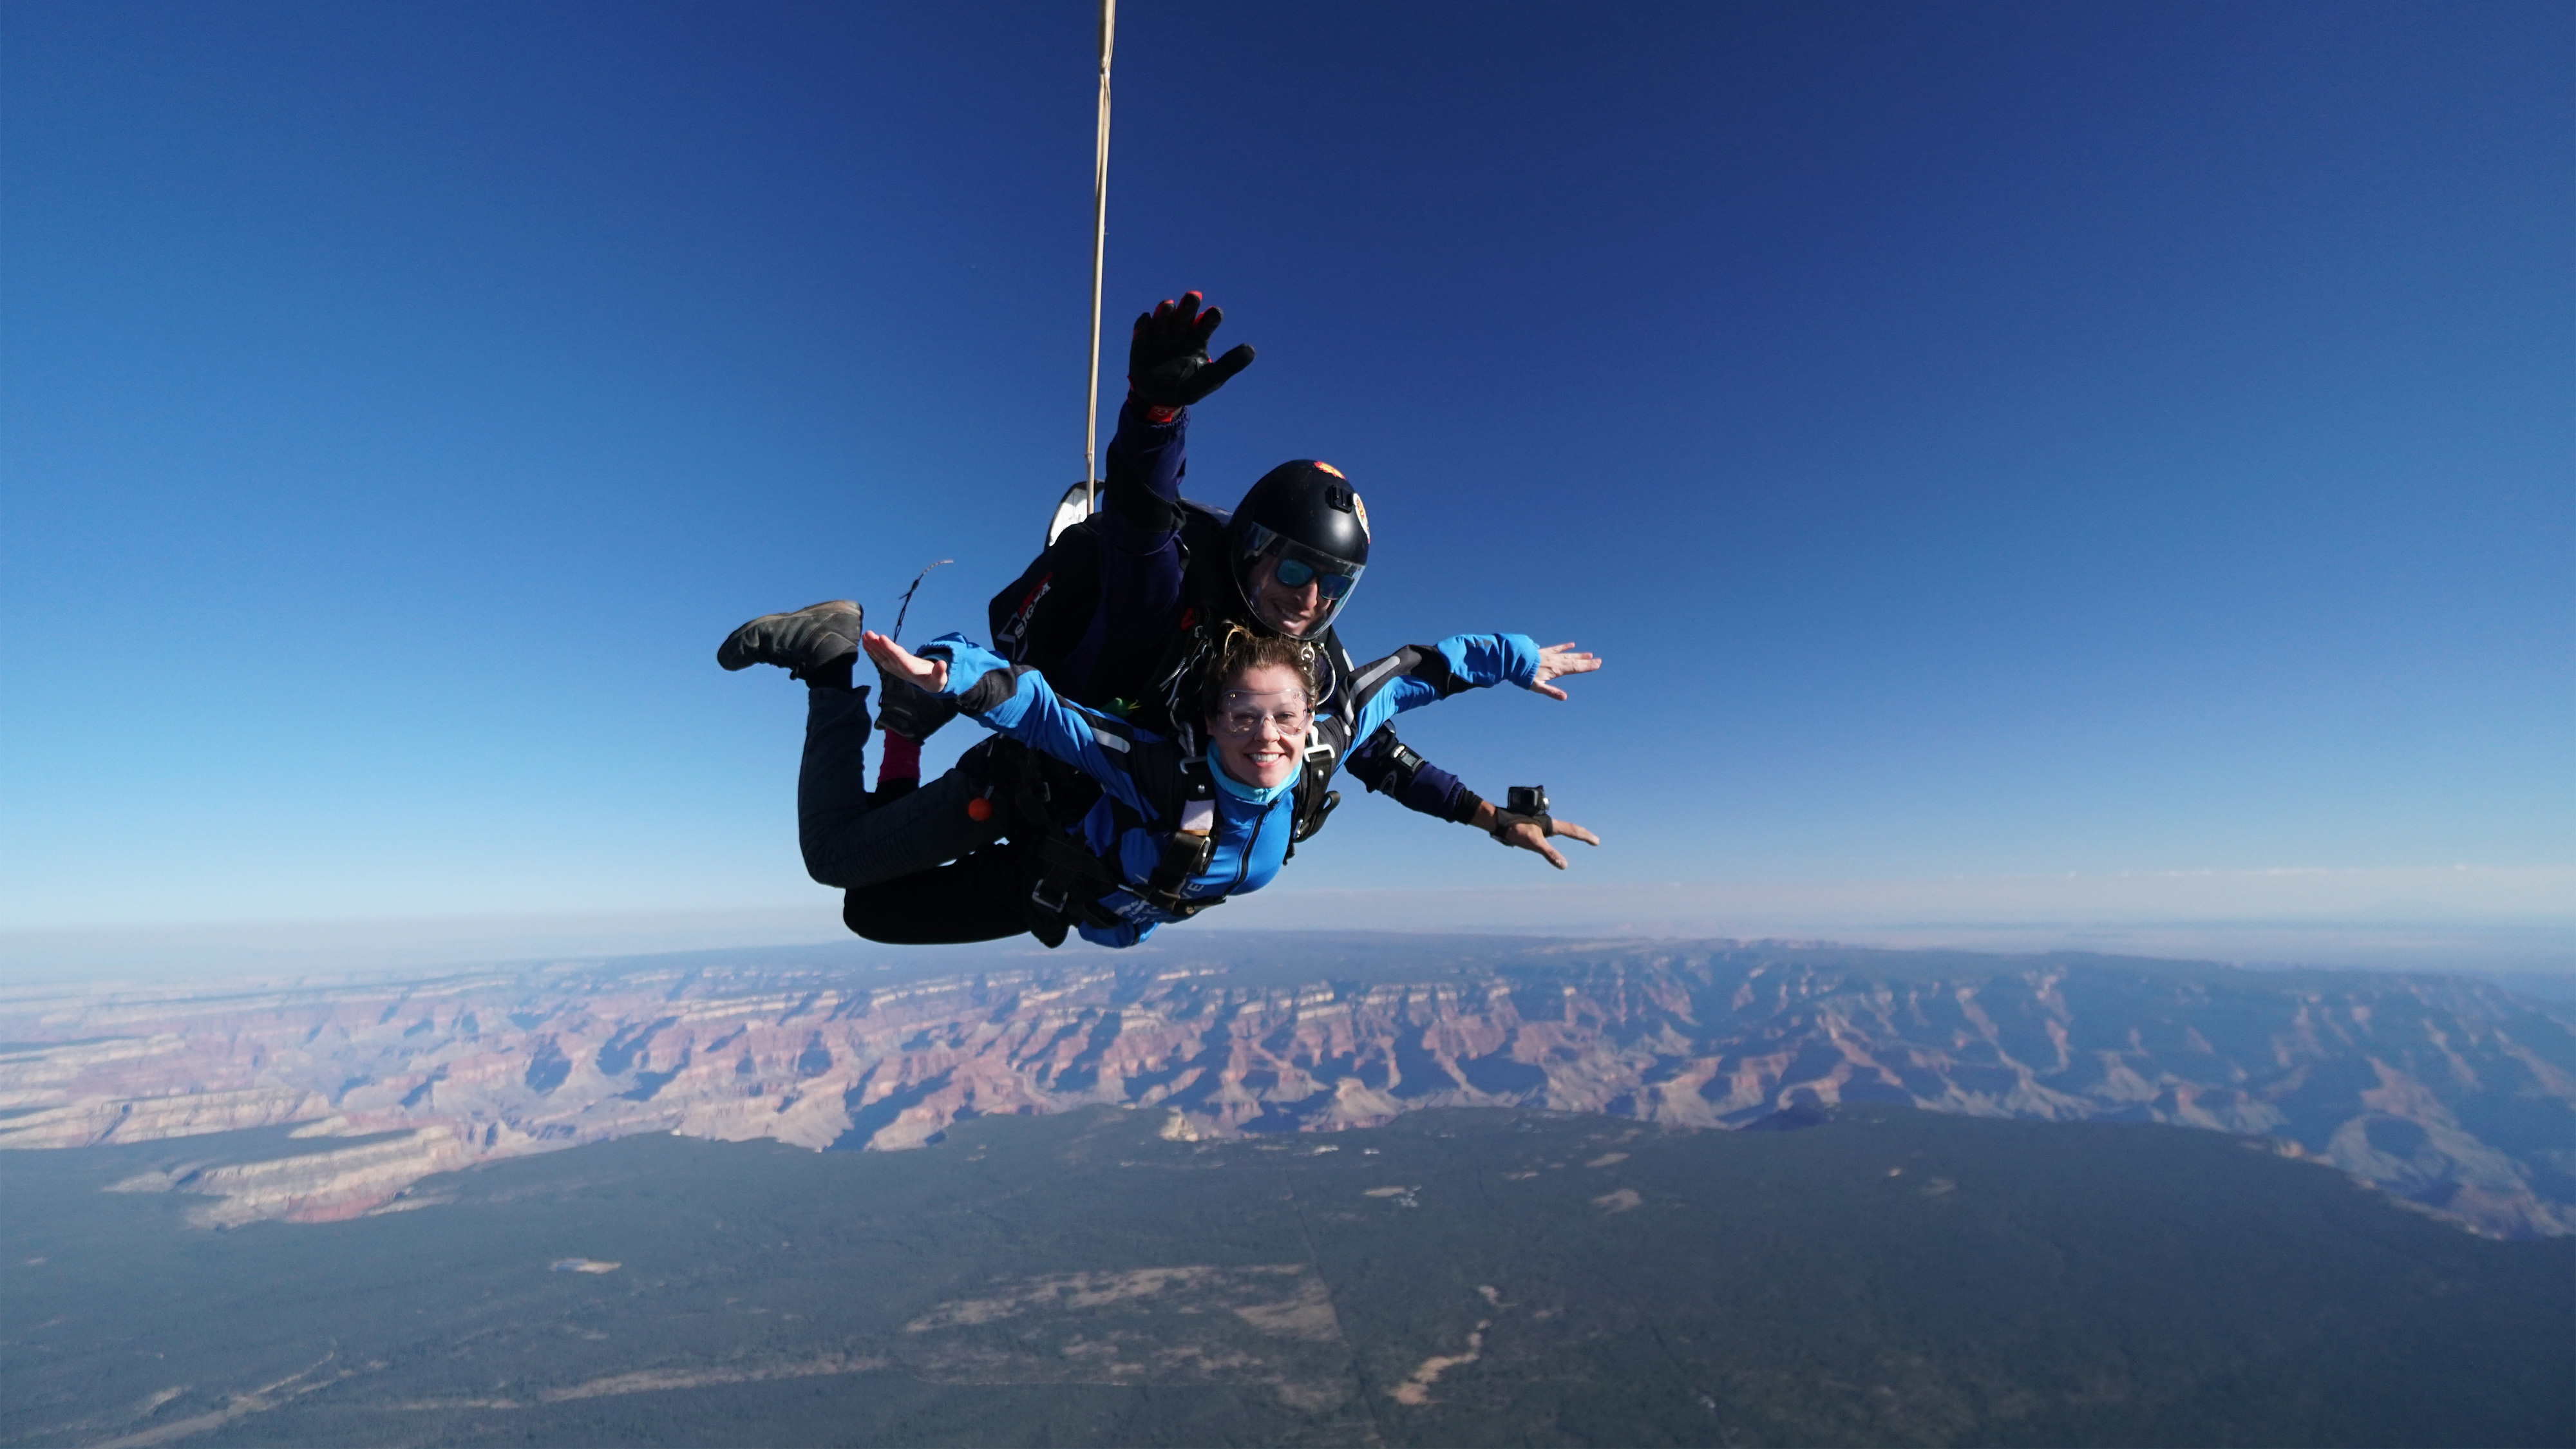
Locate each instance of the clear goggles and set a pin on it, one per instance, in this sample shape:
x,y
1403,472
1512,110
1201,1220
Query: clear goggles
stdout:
x,y
1241,714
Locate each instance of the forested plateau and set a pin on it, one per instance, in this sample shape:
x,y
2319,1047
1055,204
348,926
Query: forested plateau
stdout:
x,y
1458,1276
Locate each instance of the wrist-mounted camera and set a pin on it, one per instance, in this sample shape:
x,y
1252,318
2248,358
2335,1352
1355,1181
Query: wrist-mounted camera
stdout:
x,y
1525,805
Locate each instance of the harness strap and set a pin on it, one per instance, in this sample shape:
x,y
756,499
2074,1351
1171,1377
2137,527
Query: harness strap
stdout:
x,y
1072,877
1189,849
1314,802
1071,880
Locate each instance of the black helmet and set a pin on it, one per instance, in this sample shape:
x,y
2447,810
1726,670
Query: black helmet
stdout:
x,y
1302,535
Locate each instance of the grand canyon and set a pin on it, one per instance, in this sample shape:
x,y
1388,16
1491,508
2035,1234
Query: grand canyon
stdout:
x,y
2447,1093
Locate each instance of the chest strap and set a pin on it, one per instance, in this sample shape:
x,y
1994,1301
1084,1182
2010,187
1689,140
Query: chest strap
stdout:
x,y
1188,850
1314,800
1072,878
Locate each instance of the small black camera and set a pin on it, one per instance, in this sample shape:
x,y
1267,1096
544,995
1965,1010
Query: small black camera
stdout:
x,y
1528,800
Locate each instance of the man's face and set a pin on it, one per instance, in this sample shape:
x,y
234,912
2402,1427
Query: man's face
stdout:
x,y
1290,611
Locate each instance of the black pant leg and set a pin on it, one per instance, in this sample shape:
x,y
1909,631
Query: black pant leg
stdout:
x,y
847,840
983,897
832,781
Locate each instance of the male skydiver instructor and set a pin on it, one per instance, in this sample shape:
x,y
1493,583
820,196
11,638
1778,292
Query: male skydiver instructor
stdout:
x,y
1125,608
1117,619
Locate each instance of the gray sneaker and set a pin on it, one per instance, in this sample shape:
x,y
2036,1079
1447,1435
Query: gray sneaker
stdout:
x,y
816,634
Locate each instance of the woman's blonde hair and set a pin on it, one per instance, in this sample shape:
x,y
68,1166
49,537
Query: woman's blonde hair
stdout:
x,y
1241,651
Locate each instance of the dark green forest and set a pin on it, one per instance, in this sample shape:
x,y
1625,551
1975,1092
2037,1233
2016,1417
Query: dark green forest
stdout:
x,y
1458,1277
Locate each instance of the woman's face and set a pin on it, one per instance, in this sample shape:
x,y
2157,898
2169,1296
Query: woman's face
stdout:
x,y
1258,727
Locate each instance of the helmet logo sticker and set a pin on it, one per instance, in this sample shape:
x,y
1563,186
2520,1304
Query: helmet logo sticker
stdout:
x,y
1359,510
1323,467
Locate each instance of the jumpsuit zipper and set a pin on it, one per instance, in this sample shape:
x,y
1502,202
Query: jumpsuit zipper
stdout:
x,y
1243,861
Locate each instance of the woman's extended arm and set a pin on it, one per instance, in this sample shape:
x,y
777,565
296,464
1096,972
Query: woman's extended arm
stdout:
x,y
1015,701
1418,674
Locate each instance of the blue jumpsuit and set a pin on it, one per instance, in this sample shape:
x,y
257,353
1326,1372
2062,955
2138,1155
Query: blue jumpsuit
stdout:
x,y
1140,772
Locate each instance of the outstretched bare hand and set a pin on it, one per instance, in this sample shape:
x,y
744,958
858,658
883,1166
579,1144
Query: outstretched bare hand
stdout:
x,y
1561,659
902,663
1527,835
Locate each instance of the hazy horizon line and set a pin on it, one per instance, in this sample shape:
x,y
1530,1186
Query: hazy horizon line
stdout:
x,y
2382,933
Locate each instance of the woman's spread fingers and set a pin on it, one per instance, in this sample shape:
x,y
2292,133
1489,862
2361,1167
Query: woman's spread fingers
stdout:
x,y
929,673
1550,690
1573,831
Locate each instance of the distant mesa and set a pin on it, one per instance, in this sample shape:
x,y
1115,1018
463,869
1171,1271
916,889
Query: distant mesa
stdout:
x,y
2451,1094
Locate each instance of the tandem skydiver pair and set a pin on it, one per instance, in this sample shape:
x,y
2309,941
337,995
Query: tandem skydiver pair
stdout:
x,y
1198,651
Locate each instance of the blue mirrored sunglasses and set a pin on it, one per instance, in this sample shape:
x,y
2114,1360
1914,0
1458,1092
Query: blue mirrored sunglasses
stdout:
x,y
1297,573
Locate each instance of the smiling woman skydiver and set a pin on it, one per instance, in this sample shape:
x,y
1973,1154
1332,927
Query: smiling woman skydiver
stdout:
x,y
1172,832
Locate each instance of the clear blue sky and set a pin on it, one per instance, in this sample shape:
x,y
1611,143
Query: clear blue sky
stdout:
x,y
1983,439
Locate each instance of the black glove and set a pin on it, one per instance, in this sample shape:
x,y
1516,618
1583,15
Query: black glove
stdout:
x,y
1167,361
1528,806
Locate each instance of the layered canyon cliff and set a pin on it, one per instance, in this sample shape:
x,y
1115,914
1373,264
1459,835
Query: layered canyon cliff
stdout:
x,y
2446,1092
